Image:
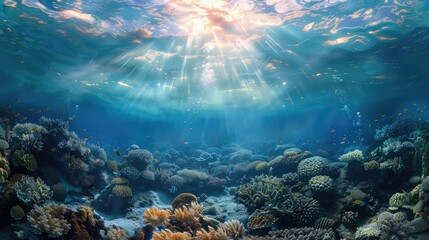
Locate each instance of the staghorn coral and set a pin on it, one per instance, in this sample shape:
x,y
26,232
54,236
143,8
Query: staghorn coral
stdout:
x,y
321,183
212,234
355,155
50,220
233,229
169,235
190,175
307,233
258,220
21,158
312,166
17,213
156,218
117,234
122,191
32,191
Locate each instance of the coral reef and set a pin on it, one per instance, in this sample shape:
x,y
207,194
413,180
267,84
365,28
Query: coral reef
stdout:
x,y
169,235
17,213
117,234
355,155
49,220
307,233
32,191
321,183
312,166
21,158
122,191
4,169
156,218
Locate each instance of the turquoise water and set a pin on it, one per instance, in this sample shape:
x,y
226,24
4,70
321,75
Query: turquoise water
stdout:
x,y
193,74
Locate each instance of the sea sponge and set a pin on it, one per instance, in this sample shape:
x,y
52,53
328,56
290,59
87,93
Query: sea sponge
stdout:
x,y
355,155
183,199
3,145
312,166
50,219
169,235
399,200
233,229
17,213
122,191
212,234
321,183
32,191
156,218
190,175
21,158
117,234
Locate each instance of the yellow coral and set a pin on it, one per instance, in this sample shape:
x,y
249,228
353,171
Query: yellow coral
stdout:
x,y
112,165
212,234
4,169
155,217
169,235
21,158
355,155
122,191
233,229
261,166
371,165
119,181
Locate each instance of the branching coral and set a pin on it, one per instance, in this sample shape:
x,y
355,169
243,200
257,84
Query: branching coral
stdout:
x,y
233,229
54,127
169,235
21,158
32,191
117,234
307,233
49,219
212,234
190,175
261,220
156,218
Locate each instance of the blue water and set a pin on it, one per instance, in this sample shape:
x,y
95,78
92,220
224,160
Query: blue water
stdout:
x,y
189,73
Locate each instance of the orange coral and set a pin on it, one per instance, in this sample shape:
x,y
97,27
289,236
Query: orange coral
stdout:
x,y
212,234
155,217
169,235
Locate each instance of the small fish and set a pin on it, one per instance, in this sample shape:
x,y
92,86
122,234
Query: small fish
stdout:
x,y
38,112
45,109
172,189
186,142
97,160
117,152
358,202
16,115
30,109
85,139
17,100
62,112
23,119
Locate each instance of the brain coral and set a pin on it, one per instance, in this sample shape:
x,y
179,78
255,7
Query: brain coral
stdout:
x,y
312,166
122,191
139,158
355,155
321,183
32,191
50,219
399,200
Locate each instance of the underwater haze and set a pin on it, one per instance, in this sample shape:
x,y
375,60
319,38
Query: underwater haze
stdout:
x,y
214,119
